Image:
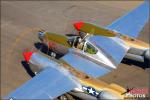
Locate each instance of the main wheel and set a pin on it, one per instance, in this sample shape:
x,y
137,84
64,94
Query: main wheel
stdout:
x,y
66,97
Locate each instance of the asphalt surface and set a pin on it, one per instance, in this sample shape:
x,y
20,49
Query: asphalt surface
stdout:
x,y
21,20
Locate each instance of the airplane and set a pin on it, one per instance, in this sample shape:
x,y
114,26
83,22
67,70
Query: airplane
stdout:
x,y
76,72
128,32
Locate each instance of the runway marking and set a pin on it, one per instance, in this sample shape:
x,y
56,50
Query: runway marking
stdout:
x,y
21,35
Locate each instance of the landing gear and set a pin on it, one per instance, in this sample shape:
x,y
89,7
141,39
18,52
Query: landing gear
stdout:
x,y
66,97
53,54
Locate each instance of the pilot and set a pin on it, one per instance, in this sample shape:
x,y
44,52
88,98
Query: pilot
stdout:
x,y
80,44
76,41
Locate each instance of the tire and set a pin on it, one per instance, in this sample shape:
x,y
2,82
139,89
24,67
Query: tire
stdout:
x,y
66,97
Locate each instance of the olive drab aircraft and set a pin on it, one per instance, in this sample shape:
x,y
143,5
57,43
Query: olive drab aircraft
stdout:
x,y
92,52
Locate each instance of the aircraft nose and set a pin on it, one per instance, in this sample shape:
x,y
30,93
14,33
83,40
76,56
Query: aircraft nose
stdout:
x,y
78,25
27,55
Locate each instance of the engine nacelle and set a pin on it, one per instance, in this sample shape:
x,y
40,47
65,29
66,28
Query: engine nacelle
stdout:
x,y
134,57
138,54
37,61
105,95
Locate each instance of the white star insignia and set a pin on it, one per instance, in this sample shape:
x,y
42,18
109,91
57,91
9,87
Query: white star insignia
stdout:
x,y
91,91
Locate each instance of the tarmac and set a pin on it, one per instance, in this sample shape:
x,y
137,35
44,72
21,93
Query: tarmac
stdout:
x,y
20,21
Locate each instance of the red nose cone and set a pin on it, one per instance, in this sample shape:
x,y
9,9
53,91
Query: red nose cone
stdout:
x,y
78,25
27,55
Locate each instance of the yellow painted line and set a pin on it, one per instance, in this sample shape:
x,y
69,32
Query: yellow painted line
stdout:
x,y
21,35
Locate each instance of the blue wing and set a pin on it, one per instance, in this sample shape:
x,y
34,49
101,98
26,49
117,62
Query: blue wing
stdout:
x,y
133,22
85,65
113,47
48,84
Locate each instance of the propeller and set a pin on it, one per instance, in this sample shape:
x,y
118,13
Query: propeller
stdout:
x,y
93,29
71,35
57,38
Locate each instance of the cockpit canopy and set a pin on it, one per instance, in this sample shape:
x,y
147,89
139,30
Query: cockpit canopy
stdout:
x,y
89,48
110,47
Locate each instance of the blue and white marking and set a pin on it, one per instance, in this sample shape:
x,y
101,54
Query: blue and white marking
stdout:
x,y
90,91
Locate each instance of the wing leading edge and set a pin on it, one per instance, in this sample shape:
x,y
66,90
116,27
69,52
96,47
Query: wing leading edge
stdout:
x,y
133,22
85,65
48,84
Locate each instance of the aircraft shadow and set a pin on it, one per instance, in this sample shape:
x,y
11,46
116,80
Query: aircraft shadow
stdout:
x,y
27,68
45,50
41,47
142,65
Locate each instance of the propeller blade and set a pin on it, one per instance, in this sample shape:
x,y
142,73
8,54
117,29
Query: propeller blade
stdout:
x,y
57,38
71,35
93,29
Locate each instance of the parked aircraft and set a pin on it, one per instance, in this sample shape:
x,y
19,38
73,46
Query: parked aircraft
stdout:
x,y
92,53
